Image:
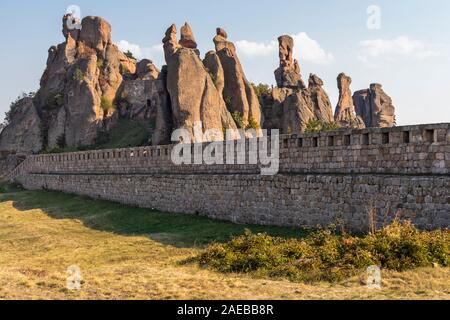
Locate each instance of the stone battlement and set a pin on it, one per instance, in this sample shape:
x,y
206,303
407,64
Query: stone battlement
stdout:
x,y
421,149
323,177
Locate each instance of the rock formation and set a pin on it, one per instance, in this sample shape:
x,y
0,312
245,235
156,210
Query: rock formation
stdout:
x,y
23,133
89,85
238,92
80,83
193,94
375,107
144,98
288,74
345,115
320,102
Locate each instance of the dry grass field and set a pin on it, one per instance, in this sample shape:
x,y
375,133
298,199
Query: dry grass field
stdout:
x,y
131,253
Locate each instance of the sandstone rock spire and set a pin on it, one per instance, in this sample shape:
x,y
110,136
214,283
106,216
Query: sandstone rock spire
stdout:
x,y
288,73
320,102
345,115
238,92
187,37
193,94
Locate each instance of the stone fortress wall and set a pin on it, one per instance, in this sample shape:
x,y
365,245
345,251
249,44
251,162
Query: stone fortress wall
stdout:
x,y
323,178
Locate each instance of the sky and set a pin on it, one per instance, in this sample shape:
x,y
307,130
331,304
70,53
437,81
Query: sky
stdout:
x,y
402,44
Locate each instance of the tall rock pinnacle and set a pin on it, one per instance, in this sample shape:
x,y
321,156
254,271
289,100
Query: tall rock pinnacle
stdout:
x,y
345,115
288,73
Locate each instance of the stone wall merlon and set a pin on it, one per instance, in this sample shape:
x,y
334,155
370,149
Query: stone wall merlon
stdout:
x,y
422,149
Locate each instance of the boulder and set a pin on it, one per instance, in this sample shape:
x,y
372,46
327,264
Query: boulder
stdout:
x,y
375,107
146,70
288,73
96,34
187,39
345,114
238,92
23,132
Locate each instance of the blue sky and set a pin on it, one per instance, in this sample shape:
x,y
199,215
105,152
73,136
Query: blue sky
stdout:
x,y
409,54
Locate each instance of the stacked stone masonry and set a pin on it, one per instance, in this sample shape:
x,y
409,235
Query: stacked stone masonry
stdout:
x,y
323,178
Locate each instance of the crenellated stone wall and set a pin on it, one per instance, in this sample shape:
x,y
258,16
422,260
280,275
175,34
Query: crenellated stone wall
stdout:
x,y
323,177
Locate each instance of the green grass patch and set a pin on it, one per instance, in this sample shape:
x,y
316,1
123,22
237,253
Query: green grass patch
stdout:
x,y
328,256
127,133
173,229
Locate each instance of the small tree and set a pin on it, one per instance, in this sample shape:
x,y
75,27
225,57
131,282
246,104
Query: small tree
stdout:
x,y
13,106
129,55
261,89
319,126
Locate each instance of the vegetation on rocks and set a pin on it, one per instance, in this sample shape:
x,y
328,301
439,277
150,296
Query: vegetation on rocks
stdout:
x,y
314,126
261,89
13,106
328,256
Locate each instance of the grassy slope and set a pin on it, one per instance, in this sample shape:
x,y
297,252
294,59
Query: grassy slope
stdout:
x,y
131,253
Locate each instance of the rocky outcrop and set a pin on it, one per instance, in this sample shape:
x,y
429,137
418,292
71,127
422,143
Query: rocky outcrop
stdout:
x,y
215,69
238,92
144,98
375,107
146,70
23,133
345,114
193,93
80,84
320,102
297,112
187,39
288,74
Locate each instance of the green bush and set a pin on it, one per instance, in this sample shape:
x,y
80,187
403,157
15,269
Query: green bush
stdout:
x,y
253,124
237,117
78,75
13,106
100,63
54,101
242,124
326,255
261,89
129,55
314,126
106,104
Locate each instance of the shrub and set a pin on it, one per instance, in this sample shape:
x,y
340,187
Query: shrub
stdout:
x,y
100,63
261,89
237,117
54,101
253,124
318,126
106,104
129,55
326,255
78,75
13,106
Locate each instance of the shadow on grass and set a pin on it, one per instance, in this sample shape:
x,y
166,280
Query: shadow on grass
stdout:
x,y
183,231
